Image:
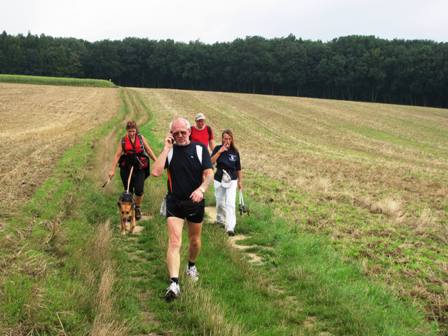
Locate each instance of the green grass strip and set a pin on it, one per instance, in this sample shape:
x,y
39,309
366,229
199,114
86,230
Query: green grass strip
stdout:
x,y
335,294
302,288
24,79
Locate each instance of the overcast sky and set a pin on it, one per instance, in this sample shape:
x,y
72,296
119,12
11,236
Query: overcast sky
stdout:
x,y
210,21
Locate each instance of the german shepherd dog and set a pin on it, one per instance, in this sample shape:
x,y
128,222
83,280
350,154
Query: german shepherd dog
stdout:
x,y
126,205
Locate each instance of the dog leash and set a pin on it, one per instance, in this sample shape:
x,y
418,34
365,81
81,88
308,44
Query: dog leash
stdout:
x,y
129,178
106,183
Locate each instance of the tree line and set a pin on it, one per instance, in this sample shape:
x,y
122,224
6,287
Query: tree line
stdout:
x,y
363,68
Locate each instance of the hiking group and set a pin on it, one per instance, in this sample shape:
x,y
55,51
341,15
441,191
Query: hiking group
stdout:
x,y
186,158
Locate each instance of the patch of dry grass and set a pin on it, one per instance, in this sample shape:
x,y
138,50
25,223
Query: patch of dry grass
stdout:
x,y
209,314
38,124
388,206
108,329
104,323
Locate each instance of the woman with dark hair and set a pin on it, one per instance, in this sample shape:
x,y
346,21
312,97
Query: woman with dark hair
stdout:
x,y
133,151
228,177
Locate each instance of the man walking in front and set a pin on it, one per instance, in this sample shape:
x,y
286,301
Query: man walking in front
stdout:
x,y
190,171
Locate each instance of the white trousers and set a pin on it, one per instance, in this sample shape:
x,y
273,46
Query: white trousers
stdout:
x,y
225,204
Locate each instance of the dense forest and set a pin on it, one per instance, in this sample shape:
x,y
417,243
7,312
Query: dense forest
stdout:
x,y
362,68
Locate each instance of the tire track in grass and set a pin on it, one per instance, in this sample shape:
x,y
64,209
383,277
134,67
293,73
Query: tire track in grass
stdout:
x,y
104,323
137,277
143,270
131,260
196,311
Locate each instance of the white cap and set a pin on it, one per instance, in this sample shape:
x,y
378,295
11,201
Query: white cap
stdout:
x,y
199,116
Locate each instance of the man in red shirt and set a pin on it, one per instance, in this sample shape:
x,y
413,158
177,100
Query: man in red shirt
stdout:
x,y
202,133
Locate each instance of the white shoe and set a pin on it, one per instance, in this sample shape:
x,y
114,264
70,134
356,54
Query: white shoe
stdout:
x,y
172,292
192,273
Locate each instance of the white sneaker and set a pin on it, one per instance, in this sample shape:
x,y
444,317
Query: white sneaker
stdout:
x,y
172,292
192,273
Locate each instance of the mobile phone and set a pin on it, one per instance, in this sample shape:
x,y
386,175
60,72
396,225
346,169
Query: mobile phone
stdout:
x,y
172,138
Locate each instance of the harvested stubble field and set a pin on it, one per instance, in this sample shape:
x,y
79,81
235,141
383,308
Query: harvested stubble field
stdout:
x,y
372,177
38,123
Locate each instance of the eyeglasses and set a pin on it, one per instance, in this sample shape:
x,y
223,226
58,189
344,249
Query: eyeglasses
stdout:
x,y
179,133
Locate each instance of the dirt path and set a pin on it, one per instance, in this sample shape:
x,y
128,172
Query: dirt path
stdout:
x,y
140,259
129,244
254,258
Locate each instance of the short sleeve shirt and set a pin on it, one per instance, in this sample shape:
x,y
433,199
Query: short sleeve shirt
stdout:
x,y
228,160
185,170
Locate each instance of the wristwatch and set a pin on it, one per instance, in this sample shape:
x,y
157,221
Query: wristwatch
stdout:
x,y
202,190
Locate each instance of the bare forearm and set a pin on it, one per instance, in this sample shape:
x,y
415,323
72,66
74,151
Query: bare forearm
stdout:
x,y
117,156
239,175
151,154
207,178
159,164
215,157
115,162
212,144
149,150
198,194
